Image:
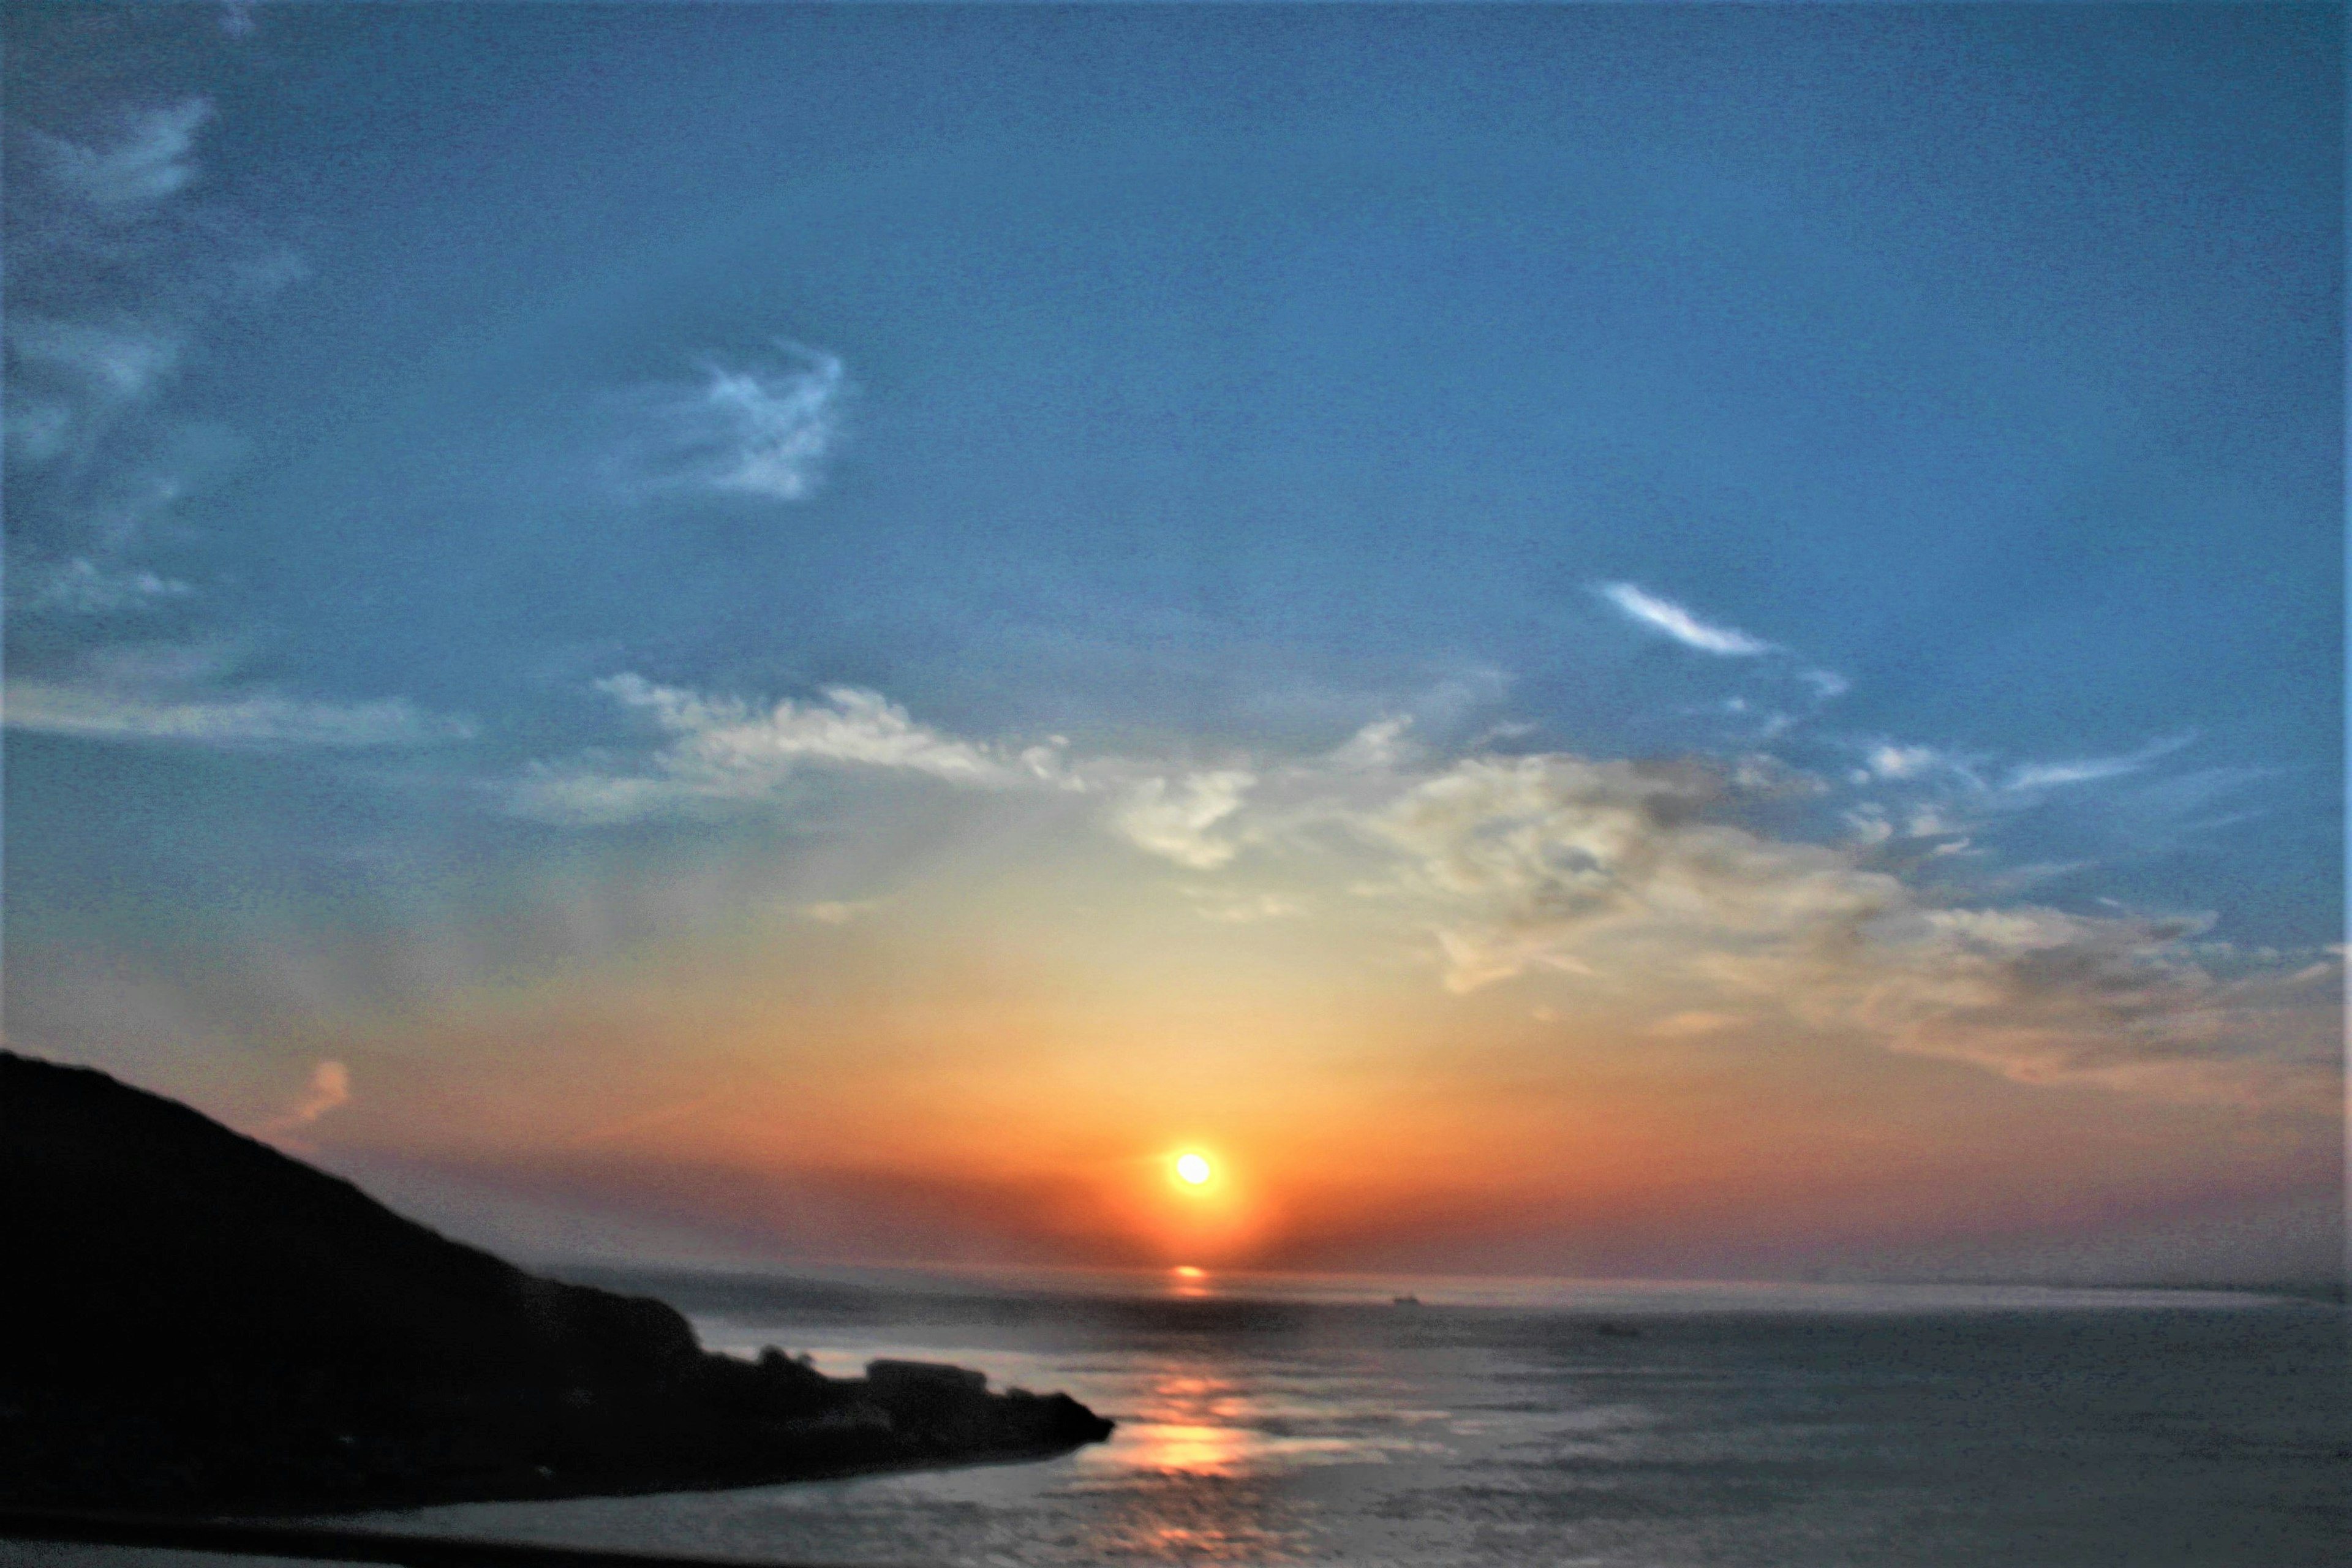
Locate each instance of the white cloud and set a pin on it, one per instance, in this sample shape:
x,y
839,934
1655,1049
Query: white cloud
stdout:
x,y
1892,761
1869,824
724,749
762,429
1377,746
1174,819
1936,792
856,726
1664,615
149,163
262,720
2089,770
1524,854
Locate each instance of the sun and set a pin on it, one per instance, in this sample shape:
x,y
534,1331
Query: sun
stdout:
x,y
1193,1170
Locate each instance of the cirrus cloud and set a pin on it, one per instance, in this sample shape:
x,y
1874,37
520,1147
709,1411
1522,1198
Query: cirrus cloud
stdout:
x,y
761,428
723,751
1666,616
256,720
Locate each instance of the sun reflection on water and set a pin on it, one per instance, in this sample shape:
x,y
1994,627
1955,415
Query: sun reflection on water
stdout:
x,y
1196,1450
1192,1422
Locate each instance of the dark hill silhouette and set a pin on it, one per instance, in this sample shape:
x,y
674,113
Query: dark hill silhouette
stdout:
x,y
196,1322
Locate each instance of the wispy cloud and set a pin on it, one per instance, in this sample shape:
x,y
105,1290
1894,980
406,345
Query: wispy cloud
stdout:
x,y
1888,761
1686,1025
149,163
1666,616
1247,910
2089,770
724,749
1175,818
117,270
111,362
81,587
1622,881
1564,864
850,726
761,427
1937,791
330,1089
1827,684
255,719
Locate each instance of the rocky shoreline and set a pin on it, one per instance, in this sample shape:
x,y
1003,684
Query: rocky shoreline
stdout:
x,y
208,1326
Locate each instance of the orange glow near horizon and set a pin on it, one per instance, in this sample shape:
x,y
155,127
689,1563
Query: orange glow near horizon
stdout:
x,y
1191,1115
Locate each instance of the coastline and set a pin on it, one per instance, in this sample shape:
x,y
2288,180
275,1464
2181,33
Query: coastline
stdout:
x,y
212,1327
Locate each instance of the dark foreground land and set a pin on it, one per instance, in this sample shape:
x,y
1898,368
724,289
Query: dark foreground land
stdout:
x,y
198,1324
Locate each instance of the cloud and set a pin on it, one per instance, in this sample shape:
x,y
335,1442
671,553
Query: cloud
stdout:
x,y
1617,885
858,726
1933,791
1524,853
81,587
151,162
725,751
762,429
1664,615
111,362
1172,819
1685,1025
1613,868
2088,770
2042,995
258,720
1378,745
1827,684
117,270
330,1089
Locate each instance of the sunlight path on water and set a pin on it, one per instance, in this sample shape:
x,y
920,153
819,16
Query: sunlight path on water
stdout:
x,y
1610,1428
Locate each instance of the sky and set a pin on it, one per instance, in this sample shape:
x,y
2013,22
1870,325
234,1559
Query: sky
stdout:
x,y
1656,640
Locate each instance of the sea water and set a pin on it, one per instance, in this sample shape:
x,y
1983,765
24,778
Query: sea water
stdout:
x,y
1272,1420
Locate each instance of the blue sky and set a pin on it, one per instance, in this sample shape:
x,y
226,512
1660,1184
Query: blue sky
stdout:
x,y
440,438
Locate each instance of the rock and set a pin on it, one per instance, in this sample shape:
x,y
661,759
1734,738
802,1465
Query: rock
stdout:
x,y
203,1323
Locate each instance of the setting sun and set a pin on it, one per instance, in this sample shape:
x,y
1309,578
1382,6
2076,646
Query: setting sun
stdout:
x,y
1191,1169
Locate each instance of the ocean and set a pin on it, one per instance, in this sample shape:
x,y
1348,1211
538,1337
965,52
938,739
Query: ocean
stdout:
x,y
1286,1420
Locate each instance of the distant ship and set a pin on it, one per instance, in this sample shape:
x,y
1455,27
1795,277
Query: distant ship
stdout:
x,y
1404,1301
